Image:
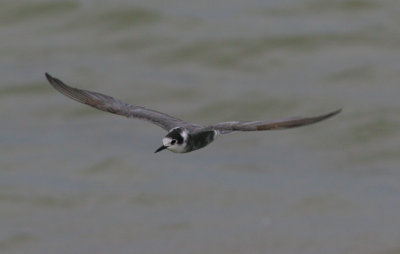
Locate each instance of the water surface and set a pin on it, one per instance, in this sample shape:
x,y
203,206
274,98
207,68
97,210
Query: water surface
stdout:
x,y
76,180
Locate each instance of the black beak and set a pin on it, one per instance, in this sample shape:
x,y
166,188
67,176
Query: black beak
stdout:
x,y
161,148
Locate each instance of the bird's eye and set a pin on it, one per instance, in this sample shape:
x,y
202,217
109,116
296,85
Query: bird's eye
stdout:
x,y
173,142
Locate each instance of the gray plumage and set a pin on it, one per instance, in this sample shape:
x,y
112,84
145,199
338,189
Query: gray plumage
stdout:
x,y
182,136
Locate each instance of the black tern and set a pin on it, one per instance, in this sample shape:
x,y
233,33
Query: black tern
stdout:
x,y
182,137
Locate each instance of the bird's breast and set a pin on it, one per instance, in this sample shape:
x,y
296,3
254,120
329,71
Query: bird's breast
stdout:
x,y
199,140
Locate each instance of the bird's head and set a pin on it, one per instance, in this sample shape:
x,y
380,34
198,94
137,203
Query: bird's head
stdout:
x,y
174,141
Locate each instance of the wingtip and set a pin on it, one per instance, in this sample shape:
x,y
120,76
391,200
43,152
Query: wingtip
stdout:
x,y
48,76
337,111
52,80
331,114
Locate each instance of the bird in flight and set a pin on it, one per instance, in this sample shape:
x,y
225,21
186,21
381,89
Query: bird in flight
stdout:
x,y
182,137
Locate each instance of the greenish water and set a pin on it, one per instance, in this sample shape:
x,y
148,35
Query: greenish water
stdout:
x,y
76,180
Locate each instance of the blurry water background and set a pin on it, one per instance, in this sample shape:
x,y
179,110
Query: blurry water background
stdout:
x,y
77,180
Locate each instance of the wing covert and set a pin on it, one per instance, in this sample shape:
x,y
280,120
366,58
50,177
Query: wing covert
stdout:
x,y
227,127
109,104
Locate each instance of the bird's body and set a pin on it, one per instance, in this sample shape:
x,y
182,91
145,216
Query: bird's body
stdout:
x,y
182,136
188,141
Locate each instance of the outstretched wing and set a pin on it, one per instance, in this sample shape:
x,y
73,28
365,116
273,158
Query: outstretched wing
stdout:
x,y
294,122
109,104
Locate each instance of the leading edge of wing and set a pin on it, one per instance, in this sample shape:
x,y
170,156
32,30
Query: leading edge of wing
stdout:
x,y
294,122
109,104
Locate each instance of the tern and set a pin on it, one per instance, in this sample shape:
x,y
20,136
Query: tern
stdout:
x,y
182,137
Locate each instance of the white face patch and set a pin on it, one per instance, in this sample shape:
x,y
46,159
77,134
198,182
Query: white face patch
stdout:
x,y
166,141
171,141
184,134
177,148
